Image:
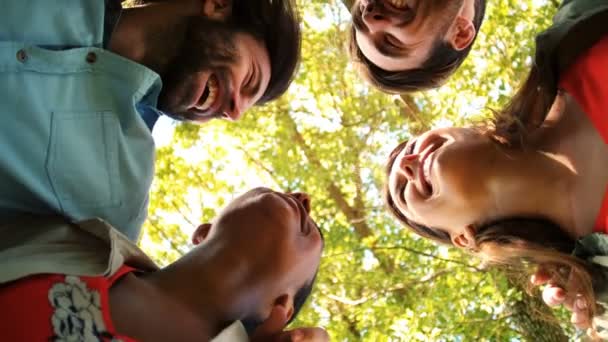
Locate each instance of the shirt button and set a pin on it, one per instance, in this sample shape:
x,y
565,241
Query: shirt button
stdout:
x,y
21,56
91,57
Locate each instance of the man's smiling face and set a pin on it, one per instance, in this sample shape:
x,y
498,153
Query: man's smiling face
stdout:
x,y
399,34
219,73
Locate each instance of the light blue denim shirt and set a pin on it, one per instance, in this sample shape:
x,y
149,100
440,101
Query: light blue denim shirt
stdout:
x,y
71,137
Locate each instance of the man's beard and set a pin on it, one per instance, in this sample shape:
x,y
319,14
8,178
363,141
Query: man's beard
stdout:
x,y
206,46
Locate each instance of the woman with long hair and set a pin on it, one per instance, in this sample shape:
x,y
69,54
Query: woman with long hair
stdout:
x,y
530,187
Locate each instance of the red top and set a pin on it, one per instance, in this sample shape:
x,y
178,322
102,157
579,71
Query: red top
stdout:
x,y
587,82
49,307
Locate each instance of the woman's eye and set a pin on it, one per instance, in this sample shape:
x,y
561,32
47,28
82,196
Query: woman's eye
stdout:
x,y
402,192
249,80
391,42
410,149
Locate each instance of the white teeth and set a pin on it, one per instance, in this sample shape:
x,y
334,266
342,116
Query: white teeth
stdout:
x,y
212,85
398,3
427,169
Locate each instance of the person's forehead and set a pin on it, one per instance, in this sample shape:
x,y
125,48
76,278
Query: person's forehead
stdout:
x,y
413,60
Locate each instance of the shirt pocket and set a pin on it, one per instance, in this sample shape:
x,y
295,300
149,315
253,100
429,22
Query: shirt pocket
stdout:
x,y
82,162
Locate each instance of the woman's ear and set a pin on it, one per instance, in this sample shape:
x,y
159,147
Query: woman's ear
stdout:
x,y
466,239
461,34
218,10
201,232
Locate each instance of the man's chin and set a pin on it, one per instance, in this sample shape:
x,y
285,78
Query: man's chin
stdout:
x,y
178,116
172,109
188,116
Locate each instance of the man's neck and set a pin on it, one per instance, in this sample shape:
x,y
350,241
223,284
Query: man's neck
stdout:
x,y
139,310
152,34
195,297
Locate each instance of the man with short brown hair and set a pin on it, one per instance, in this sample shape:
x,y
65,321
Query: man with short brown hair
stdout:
x,y
406,46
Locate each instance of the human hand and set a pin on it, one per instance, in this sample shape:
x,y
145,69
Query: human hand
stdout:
x,y
297,335
217,9
272,330
554,295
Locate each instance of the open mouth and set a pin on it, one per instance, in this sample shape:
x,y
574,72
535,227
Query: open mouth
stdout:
x,y
425,176
426,165
398,4
210,94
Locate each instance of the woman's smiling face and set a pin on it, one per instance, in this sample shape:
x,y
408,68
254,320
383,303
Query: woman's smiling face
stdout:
x,y
448,179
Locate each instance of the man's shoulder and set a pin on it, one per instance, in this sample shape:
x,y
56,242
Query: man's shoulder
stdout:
x,y
33,245
35,22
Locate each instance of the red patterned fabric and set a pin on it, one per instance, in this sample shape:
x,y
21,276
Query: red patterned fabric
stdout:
x,y
49,307
587,82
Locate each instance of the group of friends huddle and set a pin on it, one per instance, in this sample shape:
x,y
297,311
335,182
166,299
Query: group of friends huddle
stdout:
x,y
82,84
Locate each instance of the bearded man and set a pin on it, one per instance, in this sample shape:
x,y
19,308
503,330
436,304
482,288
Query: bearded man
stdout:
x,y
83,82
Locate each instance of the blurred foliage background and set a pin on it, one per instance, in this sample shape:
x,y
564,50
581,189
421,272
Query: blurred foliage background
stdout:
x,y
330,136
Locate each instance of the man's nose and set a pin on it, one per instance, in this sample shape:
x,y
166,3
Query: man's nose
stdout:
x,y
303,198
375,18
234,110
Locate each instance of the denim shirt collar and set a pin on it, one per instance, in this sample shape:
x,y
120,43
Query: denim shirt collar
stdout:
x,y
149,114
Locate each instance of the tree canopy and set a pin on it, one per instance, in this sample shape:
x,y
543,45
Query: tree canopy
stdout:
x,y
329,137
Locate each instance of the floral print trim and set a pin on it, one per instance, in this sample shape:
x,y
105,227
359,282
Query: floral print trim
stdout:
x,y
77,315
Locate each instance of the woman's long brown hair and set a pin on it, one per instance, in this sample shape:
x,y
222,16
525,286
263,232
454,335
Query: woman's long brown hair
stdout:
x,y
525,112
519,242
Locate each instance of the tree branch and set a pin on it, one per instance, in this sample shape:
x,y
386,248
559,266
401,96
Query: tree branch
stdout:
x,y
396,288
411,250
352,215
260,165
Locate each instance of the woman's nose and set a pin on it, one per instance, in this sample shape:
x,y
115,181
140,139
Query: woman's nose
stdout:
x,y
303,198
408,165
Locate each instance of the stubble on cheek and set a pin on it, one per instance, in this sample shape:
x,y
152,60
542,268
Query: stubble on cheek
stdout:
x,y
206,47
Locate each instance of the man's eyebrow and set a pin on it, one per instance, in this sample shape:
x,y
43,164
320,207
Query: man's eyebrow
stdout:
x,y
257,80
389,51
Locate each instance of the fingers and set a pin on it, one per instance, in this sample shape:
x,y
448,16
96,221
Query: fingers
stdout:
x,y
273,325
304,335
541,277
217,9
553,295
580,317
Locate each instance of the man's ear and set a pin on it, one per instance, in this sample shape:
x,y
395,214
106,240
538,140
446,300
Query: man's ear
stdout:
x,y
280,313
285,304
218,10
461,34
466,239
201,232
